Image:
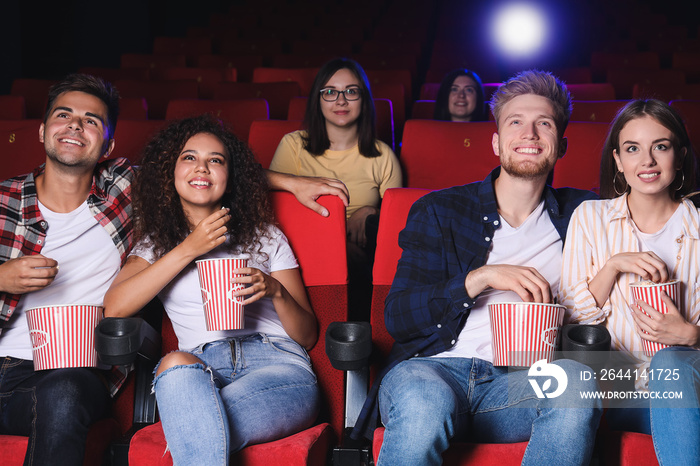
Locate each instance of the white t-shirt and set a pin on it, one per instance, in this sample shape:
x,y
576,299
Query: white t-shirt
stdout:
x,y
663,242
182,297
88,263
535,243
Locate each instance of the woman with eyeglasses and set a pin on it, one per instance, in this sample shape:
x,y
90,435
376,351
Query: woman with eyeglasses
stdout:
x,y
645,227
339,141
460,97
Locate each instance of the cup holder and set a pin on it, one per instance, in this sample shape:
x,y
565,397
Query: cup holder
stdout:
x,y
118,339
349,344
587,344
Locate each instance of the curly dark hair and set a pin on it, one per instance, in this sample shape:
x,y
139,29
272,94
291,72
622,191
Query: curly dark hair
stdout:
x,y
158,213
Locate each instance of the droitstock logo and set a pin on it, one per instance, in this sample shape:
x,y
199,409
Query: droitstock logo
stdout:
x,y
543,370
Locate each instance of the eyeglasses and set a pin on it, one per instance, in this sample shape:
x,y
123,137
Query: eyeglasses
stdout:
x,y
331,95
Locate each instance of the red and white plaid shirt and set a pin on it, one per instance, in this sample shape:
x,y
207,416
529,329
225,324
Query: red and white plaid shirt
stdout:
x,y
23,229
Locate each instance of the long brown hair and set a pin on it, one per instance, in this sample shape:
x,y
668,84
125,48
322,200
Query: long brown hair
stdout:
x,y
316,141
612,184
158,213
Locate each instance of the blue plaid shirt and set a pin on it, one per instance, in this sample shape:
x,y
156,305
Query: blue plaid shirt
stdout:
x,y
448,234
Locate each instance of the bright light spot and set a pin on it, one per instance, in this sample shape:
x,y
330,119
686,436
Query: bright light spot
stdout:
x,y
519,29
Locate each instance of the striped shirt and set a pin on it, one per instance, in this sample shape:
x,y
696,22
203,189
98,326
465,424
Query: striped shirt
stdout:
x,y
23,229
602,229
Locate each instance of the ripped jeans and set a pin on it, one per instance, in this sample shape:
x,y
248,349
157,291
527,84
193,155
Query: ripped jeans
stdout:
x,y
255,389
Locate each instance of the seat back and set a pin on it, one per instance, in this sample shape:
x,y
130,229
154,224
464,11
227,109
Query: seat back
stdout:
x,y
207,78
423,110
35,93
265,136
158,93
591,91
396,204
690,111
302,76
319,245
277,94
596,111
239,114
580,166
131,136
440,154
20,149
12,107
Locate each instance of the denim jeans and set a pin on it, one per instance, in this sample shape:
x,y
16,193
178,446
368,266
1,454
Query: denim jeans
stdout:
x,y
253,389
427,402
54,408
675,423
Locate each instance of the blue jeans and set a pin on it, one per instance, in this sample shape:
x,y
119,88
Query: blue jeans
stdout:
x,y
427,402
253,389
675,423
54,408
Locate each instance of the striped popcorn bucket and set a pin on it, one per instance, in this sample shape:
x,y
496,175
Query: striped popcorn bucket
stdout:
x,y
523,333
222,311
63,335
650,293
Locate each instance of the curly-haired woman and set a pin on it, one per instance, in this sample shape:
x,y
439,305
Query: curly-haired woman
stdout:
x,y
200,194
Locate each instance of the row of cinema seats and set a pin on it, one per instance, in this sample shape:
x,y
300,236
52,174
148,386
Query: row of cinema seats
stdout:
x,y
276,85
319,245
434,154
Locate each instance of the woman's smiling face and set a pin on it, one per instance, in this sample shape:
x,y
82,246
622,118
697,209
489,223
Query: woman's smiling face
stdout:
x,y
201,172
646,156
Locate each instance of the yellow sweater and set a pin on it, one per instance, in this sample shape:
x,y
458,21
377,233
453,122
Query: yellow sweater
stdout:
x,y
366,178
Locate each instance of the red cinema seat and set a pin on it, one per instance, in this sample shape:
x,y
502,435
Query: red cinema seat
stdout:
x,y
440,154
207,78
580,166
382,77
601,62
628,449
12,107
304,60
190,47
277,94
239,114
666,92
131,136
20,149
624,80
393,92
395,207
242,64
158,93
591,91
423,110
596,111
303,76
429,91
152,60
113,74
133,108
35,93
690,111
265,136
319,244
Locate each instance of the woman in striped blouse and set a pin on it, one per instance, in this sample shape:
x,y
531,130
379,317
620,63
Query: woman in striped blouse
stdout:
x,y
644,228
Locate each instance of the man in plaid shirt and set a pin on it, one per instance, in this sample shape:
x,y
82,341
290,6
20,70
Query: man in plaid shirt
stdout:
x,y
72,213
499,240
